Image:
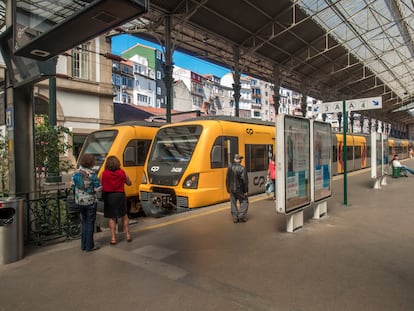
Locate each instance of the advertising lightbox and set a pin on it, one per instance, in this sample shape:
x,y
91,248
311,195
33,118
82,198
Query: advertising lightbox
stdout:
x,y
293,163
322,159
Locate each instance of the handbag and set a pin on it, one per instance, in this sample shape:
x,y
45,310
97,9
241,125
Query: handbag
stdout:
x,y
269,187
71,206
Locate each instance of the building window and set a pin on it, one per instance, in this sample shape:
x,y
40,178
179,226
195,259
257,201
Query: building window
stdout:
x,y
80,62
116,79
158,90
142,99
159,75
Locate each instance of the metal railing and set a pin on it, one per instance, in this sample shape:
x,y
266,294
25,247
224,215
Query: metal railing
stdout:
x,y
47,218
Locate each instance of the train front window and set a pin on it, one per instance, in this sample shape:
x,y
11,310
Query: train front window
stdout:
x,y
99,144
175,144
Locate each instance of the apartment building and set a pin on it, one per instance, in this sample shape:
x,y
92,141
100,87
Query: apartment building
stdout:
x,y
149,63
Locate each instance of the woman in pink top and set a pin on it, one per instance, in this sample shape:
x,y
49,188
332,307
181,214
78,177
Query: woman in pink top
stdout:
x,y
271,174
113,180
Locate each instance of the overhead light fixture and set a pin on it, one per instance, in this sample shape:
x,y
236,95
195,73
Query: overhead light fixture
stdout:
x,y
40,38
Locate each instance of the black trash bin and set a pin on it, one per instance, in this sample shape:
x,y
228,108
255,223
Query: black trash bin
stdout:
x,y
11,230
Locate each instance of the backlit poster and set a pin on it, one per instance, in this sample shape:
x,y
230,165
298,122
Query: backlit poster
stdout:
x,y
297,163
322,148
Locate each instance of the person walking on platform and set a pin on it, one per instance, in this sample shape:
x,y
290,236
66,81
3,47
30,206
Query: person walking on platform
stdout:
x,y
113,180
85,183
395,162
237,185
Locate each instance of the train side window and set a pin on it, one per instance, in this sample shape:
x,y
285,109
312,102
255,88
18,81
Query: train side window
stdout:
x,y
256,157
216,158
129,156
223,151
216,154
334,154
142,151
349,153
136,152
358,152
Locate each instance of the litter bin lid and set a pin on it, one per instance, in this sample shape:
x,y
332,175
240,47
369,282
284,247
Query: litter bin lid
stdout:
x,y
9,199
6,215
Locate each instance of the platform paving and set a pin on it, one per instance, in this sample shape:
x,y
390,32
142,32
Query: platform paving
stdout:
x,y
359,257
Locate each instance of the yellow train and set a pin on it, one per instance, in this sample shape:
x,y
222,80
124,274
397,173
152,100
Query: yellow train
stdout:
x,y
359,151
187,164
129,142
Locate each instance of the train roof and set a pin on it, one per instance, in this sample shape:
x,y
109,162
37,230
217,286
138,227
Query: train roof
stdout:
x,y
139,123
229,119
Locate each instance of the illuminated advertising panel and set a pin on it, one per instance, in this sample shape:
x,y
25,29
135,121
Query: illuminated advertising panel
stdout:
x,y
322,149
296,137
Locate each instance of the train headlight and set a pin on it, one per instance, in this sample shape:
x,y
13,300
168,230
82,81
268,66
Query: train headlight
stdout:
x,y
191,181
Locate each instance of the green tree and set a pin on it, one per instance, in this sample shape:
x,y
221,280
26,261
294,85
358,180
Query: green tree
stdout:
x,y
50,144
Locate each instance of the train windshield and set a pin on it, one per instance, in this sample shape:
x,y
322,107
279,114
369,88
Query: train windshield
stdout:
x,y
175,144
99,143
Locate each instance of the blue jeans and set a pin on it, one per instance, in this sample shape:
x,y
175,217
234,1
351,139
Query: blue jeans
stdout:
x,y
88,216
404,169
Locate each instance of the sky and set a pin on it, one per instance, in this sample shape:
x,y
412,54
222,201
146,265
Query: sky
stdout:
x,y
123,42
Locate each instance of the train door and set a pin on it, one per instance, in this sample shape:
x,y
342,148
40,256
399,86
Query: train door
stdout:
x,y
257,163
358,155
221,156
350,156
133,160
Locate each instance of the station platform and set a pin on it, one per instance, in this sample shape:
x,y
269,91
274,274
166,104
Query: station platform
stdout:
x,y
359,257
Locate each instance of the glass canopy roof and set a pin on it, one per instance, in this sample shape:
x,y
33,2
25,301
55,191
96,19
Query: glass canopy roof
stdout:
x,y
380,33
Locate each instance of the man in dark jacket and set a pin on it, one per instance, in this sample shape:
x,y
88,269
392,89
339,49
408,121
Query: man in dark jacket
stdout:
x,y
237,184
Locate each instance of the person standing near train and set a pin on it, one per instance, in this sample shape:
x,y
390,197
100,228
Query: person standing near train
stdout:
x,y
85,183
271,174
113,180
237,184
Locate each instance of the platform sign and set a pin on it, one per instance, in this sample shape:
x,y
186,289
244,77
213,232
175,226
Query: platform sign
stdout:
x,y
293,164
321,155
350,105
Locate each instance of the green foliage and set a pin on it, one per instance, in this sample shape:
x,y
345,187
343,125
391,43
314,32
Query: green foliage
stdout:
x,y
50,143
4,165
